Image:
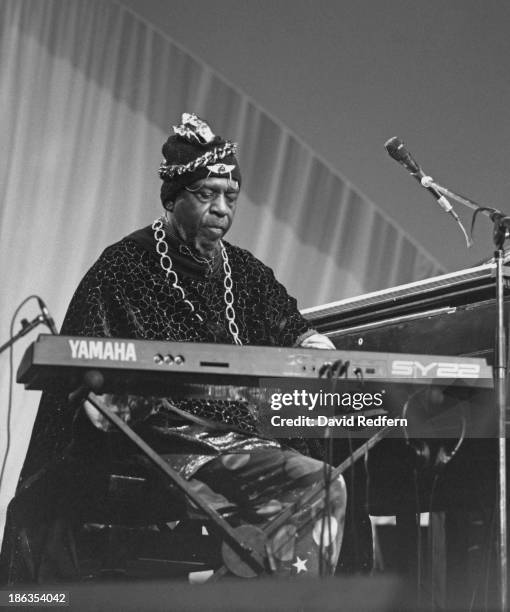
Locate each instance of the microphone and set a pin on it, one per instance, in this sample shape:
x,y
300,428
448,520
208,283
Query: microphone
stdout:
x,y
397,150
48,319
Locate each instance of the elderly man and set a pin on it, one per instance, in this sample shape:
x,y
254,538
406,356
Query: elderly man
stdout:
x,y
178,280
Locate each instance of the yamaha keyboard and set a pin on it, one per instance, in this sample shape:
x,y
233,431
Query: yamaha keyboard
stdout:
x,y
149,366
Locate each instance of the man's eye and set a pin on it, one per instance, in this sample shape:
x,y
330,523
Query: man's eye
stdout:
x,y
206,196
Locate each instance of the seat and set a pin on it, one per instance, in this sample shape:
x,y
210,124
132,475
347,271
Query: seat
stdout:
x,y
76,520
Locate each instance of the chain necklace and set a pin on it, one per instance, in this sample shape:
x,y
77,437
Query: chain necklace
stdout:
x,y
167,265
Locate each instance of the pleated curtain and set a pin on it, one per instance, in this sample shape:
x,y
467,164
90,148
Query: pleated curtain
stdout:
x,y
88,94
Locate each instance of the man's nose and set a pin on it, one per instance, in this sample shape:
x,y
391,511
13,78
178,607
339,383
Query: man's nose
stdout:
x,y
220,205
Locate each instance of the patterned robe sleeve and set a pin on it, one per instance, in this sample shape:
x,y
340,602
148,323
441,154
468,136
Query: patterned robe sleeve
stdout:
x,y
286,324
95,310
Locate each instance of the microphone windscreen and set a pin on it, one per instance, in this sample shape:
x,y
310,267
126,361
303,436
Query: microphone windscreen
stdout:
x,y
94,380
397,150
394,146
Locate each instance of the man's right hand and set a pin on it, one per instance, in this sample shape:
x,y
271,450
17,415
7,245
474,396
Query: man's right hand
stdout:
x,y
126,407
120,408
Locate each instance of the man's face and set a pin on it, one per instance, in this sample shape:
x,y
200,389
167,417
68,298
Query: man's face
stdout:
x,y
203,213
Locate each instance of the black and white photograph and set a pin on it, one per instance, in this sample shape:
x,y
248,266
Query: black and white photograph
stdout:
x,y
255,295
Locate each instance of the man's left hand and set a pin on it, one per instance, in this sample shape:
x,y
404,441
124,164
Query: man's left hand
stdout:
x,y
317,341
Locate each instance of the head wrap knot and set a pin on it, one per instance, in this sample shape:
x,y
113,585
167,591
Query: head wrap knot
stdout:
x,y
192,153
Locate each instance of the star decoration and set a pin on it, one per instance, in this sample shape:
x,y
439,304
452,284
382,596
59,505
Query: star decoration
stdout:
x,y
300,565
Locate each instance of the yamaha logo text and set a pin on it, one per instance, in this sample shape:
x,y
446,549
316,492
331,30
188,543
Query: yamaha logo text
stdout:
x,y
103,350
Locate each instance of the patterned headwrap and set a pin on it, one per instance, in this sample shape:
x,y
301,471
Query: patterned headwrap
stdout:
x,y
193,152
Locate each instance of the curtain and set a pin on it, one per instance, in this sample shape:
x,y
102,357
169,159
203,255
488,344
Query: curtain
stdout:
x,y
88,95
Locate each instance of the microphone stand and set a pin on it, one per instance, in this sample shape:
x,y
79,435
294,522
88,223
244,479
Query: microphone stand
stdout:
x,y
501,232
26,327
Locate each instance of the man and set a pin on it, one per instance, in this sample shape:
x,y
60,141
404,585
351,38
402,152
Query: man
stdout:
x,y
178,280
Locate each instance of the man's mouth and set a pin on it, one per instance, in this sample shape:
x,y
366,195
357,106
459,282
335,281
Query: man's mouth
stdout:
x,y
214,229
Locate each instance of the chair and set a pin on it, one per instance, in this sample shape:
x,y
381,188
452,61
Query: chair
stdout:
x,y
110,519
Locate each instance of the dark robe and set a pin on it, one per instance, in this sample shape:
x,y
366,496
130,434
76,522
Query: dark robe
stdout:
x,y
126,294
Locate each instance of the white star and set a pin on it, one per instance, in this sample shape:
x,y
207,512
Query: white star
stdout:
x,y
300,565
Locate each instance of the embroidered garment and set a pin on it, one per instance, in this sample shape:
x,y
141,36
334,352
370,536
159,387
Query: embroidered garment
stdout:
x,y
126,295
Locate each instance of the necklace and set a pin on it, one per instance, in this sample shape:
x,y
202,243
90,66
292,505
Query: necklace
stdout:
x,y
166,263
198,258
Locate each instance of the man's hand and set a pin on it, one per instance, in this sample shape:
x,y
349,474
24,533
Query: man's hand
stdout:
x,y
317,341
120,408
130,408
